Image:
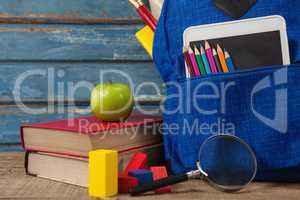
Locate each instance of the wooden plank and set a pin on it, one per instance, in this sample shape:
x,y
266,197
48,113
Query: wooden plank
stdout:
x,y
32,42
15,184
12,117
67,11
144,100
11,148
33,80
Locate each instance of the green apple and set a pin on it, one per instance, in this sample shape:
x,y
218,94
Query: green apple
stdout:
x,y
112,102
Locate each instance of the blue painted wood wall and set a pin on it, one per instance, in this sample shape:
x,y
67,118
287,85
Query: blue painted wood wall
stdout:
x,y
74,40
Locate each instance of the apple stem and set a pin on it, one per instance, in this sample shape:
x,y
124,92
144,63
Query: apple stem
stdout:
x,y
110,81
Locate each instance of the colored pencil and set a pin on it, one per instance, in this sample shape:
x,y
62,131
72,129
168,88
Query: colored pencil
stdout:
x,y
205,61
229,61
194,62
216,57
188,67
199,61
222,59
144,13
210,58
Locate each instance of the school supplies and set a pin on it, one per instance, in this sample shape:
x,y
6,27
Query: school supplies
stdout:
x,y
209,60
252,43
57,167
209,55
189,72
144,13
217,61
225,162
146,36
249,90
205,61
103,173
55,146
194,62
138,161
229,61
222,59
199,61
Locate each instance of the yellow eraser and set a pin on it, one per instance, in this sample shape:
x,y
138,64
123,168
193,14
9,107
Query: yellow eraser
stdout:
x,y
146,37
103,173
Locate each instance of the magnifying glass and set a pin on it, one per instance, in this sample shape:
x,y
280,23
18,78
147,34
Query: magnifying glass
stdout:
x,y
225,162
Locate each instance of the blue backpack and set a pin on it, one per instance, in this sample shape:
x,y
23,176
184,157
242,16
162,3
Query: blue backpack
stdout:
x,y
262,104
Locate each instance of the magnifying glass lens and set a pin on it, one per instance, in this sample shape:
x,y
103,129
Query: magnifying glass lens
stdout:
x,y
229,162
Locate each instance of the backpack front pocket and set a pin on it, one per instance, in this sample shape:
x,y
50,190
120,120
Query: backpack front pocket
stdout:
x,y
260,106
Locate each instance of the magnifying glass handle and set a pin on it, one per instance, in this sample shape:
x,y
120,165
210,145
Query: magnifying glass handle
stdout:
x,y
171,180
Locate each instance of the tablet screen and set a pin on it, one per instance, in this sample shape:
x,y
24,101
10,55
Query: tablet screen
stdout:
x,y
252,50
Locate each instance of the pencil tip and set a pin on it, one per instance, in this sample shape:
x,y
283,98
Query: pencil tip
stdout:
x,y
207,46
202,50
226,54
190,50
134,3
214,51
219,48
184,49
196,50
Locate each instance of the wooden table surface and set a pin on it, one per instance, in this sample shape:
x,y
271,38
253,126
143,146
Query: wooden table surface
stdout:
x,y
15,184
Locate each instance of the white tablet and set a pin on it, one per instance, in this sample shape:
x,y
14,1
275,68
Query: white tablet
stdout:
x,y
252,42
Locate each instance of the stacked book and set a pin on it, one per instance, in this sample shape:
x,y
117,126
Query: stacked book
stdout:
x,y
59,150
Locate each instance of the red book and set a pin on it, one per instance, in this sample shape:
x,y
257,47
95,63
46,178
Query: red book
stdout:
x,y
76,137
